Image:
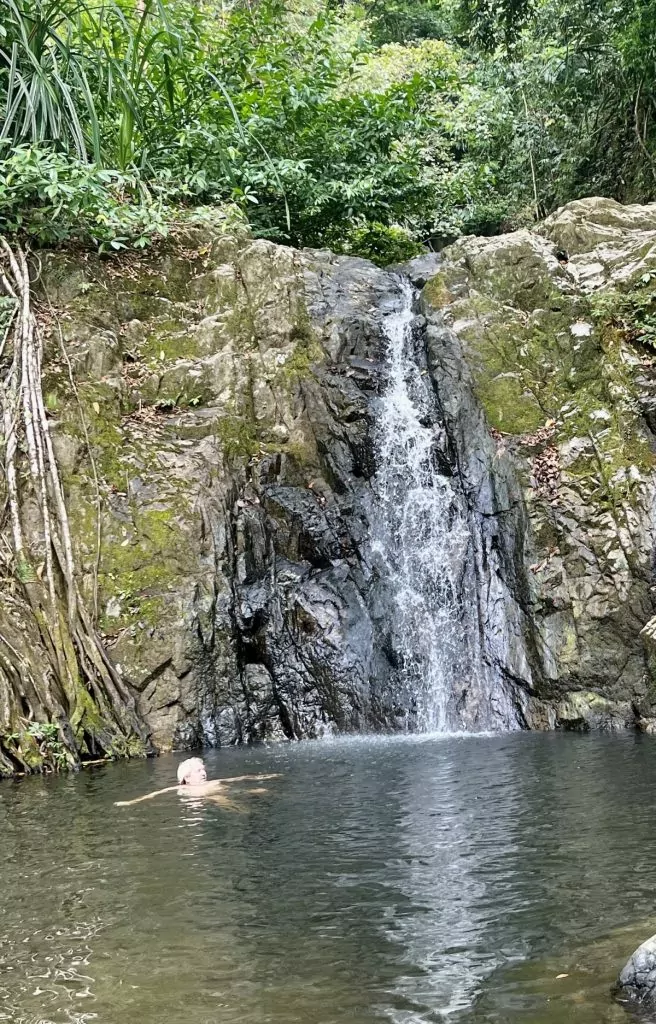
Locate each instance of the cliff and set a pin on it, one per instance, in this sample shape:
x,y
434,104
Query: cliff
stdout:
x,y
217,445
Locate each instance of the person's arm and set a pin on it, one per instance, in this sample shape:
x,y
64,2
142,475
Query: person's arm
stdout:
x,y
250,778
148,796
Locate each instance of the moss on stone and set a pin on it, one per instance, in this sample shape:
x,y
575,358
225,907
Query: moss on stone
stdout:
x,y
306,353
140,560
183,386
168,340
508,405
436,292
133,590
239,436
240,324
303,452
562,364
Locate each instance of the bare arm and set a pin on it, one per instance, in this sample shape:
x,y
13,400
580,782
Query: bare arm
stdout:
x,y
193,789
148,796
250,778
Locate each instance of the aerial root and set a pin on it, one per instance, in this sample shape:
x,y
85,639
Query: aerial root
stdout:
x,y
68,701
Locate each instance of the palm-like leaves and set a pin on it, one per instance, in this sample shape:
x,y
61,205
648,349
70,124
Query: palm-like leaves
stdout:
x,y
47,97
79,74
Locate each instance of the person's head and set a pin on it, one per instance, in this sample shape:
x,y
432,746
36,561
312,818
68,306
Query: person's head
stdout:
x,y
192,772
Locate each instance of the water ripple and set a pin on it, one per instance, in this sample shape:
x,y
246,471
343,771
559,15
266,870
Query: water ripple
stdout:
x,y
409,881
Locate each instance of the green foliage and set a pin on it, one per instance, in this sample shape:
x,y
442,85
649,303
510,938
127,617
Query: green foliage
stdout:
x,y
49,741
632,312
395,142
381,244
580,81
45,740
46,92
431,117
296,117
488,23
97,99
53,197
397,21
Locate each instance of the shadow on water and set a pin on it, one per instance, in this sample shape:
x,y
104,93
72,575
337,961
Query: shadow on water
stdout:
x,y
415,880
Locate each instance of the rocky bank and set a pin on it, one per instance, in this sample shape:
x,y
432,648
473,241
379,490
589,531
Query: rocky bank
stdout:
x,y
214,408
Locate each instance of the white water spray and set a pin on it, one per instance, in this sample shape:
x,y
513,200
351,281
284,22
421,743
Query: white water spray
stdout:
x,y
420,536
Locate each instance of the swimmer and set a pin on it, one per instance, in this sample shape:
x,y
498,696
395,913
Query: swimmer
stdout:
x,y
193,781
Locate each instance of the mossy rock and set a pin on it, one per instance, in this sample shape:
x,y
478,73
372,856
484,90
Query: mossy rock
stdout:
x,y
436,292
239,437
140,565
509,407
179,386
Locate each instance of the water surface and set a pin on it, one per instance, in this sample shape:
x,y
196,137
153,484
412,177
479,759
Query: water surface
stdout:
x,y
378,880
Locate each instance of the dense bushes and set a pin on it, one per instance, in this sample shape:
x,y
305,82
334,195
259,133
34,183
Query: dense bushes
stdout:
x,y
581,75
120,113
370,129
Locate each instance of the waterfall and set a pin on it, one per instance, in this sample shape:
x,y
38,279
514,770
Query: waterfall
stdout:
x,y
420,537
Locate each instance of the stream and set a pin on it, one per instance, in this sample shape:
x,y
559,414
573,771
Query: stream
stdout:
x,y
407,880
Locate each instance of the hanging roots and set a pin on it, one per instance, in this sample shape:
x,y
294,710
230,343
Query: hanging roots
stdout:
x,y
61,699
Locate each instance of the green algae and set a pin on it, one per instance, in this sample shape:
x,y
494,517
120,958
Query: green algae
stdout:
x,y
168,340
509,406
140,568
240,323
307,352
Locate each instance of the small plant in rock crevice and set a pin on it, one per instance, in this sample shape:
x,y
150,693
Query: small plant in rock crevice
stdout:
x,y
632,312
51,748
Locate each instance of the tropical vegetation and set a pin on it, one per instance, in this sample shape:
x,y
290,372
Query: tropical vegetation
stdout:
x,y
373,128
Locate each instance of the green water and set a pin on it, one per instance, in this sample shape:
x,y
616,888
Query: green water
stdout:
x,y
392,880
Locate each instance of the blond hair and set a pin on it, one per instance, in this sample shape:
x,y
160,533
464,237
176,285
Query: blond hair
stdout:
x,y
186,767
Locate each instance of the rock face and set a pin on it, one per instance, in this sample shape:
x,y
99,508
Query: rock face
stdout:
x,y
541,349
225,387
637,981
219,454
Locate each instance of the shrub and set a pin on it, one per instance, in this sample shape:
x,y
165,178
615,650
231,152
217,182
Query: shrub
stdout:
x,y
381,244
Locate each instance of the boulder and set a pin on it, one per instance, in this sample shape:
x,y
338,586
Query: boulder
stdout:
x,y
584,224
637,980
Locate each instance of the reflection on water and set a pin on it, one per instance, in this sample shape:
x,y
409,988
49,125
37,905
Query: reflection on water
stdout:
x,y
407,880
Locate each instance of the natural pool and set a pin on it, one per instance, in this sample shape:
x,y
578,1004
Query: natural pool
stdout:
x,y
404,880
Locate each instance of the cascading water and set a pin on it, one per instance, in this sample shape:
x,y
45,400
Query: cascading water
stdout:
x,y
420,537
